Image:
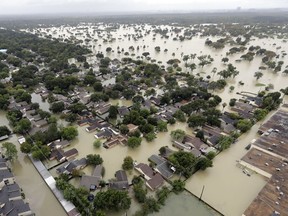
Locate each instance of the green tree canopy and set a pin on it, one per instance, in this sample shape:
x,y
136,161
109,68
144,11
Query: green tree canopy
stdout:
x,y
10,150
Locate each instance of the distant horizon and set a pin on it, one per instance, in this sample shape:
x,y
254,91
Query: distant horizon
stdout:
x,y
143,12
60,7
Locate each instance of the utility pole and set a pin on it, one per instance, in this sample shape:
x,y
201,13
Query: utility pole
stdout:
x,y
200,198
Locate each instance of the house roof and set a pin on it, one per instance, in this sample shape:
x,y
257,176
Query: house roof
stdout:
x,y
97,171
156,159
5,174
145,169
88,181
121,175
123,110
121,181
164,170
155,182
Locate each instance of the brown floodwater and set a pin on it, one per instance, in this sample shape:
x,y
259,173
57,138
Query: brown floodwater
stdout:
x,y
226,187
38,195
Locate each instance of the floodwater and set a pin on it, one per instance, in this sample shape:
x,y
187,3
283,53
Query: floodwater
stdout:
x,y
44,105
177,48
38,195
184,204
226,187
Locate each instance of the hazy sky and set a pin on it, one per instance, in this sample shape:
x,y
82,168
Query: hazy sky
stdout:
x,y
72,6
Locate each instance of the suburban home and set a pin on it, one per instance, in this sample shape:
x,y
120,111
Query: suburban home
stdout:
x,y
6,177
162,166
123,110
15,207
58,144
92,182
182,146
61,156
153,181
121,181
68,167
132,127
113,141
41,123
106,133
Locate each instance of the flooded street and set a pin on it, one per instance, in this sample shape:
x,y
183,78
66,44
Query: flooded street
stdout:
x,y
39,196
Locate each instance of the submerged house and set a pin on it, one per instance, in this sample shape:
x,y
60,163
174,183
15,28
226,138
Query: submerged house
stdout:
x,y
153,179
92,182
121,181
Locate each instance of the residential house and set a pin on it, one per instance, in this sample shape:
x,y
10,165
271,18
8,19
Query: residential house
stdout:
x,y
121,181
58,144
61,156
92,182
68,167
40,123
113,141
132,127
153,180
122,111
162,166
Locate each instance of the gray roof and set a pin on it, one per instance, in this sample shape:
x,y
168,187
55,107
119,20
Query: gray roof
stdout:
x,y
97,171
156,159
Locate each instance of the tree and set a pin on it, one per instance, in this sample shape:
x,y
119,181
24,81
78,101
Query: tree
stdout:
x,y
98,86
22,126
94,159
124,129
224,105
113,111
140,191
210,155
97,143
10,150
162,194
258,75
203,163
127,163
260,114
150,136
26,147
232,102
134,142
40,152
224,142
179,115
4,130
57,107
183,162
112,200
178,186
244,125
69,133
178,135
196,120
162,126
151,205
225,59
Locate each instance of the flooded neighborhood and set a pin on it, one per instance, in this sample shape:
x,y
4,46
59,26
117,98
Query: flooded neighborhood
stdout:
x,y
113,116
